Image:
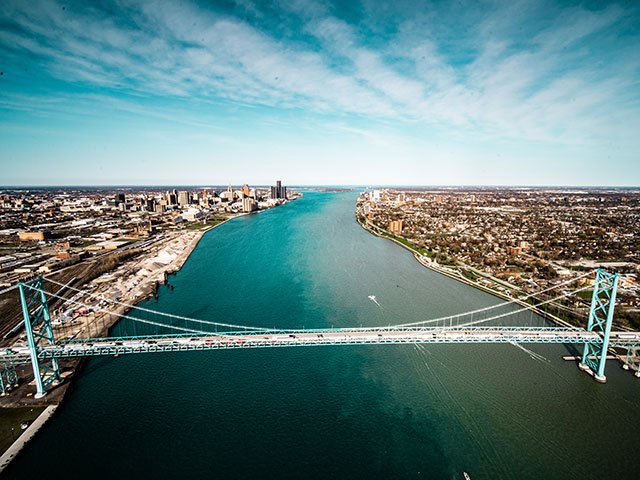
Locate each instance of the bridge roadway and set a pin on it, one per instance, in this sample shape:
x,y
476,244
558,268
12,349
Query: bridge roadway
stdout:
x,y
298,338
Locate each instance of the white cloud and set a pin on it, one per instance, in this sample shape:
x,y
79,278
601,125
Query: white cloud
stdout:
x,y
545,88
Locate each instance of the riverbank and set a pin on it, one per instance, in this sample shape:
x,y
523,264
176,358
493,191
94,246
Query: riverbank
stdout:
x,y
427,262
138,280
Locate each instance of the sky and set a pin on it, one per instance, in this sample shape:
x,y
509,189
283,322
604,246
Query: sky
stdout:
x,y
359,92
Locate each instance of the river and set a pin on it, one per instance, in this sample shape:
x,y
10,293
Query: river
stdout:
x,y
374,411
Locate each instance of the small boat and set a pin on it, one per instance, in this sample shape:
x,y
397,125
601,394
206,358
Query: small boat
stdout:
x,y
466,476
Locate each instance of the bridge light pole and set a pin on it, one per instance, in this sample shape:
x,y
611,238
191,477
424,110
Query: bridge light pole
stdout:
x,y
603,302
37,324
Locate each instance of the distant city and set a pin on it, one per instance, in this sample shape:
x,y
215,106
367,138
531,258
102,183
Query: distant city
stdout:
x,y
44,230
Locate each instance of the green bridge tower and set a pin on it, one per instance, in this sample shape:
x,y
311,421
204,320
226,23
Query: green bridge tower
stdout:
x,y
603,302
37,324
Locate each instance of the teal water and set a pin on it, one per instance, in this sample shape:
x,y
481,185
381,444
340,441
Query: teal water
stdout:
x,y
376,411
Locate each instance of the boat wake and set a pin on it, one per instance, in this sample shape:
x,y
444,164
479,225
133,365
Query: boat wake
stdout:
x,y
533,355
373,299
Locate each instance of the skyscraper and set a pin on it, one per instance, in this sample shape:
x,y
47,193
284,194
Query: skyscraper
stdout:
x,y
172,197
184,198
279,191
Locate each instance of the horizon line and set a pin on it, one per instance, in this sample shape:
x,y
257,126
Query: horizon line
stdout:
x,y
371,185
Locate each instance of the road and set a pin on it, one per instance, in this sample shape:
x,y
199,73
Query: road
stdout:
x,y
293,338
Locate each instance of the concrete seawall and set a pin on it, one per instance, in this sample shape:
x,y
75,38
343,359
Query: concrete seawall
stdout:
x,y
27,435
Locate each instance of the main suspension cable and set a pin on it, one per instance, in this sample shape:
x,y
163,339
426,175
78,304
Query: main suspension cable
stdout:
x,y
141,320
178,317
491,307
476,322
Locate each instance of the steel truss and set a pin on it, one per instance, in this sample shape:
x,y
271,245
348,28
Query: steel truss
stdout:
x,y
37,323
8,377
603,301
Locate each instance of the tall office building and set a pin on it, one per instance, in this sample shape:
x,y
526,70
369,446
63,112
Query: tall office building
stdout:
x,y
120,198
184,198
172,197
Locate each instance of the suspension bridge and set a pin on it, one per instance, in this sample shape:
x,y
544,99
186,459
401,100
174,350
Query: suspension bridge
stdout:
x,y
181,333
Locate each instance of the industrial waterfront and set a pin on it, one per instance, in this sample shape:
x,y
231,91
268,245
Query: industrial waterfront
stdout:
x,y
382,411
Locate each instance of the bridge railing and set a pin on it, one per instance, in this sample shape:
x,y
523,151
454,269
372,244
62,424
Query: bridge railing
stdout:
x,y
320,331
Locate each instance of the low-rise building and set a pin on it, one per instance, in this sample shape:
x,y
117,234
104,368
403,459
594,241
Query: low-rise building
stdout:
x,y
32,236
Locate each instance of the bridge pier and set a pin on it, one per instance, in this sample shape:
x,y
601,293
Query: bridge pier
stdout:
x,y
632,360
603,301
586,368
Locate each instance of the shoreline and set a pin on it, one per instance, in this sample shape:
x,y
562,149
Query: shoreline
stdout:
x,y
141,291
548,316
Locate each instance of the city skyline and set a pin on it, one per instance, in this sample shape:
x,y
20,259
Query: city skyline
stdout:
x,y
516,93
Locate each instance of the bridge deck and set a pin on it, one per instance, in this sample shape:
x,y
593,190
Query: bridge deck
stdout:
x,y
298,338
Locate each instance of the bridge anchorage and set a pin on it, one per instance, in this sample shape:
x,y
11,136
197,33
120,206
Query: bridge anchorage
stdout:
x,y
43,352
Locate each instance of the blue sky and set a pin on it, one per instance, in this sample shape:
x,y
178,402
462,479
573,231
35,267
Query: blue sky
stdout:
x,y
353,92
